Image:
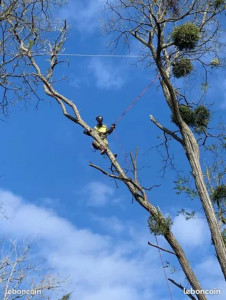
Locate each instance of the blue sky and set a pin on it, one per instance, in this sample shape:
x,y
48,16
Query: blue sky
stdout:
x,y
83,225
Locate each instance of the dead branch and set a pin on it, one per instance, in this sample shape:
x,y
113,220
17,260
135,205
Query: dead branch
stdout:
x,y
166,130
160,248
182,288
116,177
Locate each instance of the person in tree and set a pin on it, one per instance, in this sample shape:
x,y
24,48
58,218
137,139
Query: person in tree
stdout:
x,y
103,132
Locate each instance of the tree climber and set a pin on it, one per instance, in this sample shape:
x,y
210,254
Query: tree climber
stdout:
x,y
103,132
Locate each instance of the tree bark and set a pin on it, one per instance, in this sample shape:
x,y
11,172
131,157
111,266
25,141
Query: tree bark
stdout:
x,y
194,161
192,152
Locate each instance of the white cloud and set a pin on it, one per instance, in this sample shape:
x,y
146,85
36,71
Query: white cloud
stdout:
x,y
99,267
107,75
83,14
112,224
209,264
98,194
191,233
214,281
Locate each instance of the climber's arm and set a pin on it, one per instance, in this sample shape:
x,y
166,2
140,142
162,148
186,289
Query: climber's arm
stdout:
x,y
109,131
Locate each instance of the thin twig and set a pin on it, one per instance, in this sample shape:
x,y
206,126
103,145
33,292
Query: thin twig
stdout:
x,y
134,162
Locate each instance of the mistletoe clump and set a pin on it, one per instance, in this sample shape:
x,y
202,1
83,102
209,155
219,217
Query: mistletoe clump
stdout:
x,y
197,118
186,36
218,3
159,225
202,118
187,115
215,62
182,67
219,192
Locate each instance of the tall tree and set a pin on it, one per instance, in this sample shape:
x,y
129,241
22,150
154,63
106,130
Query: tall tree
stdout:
x,y
21,278
14,82
179,34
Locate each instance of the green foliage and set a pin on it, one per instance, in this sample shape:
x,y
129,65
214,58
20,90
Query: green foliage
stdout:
x,y
159,225
186,114
204,86
202,118
219,192
30,44
182,67
197,118
215,62
186,214
211,147
172,269
183,185
219,3
66,297
173,7
186,36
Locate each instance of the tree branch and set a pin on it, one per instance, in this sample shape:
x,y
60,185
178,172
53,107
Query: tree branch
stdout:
x,y
134,162
182,288
115,177
166,130
171,252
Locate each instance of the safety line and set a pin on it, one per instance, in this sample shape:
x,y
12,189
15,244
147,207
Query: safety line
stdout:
x,y
127,163
120,145
164,270
124,154
137,98
92,55
127,109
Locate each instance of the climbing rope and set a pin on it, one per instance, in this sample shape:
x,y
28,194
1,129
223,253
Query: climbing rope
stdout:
x,y
121,146
137,98
167,282
125,155
127,109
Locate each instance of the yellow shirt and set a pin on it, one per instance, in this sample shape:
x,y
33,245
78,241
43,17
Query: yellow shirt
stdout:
x,y
102,131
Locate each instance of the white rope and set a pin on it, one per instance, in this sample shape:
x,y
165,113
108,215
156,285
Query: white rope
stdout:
x,y
93,55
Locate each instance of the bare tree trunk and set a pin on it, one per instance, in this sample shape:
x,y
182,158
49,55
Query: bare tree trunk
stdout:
x,y
145,35
193,157
192,152
143,201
